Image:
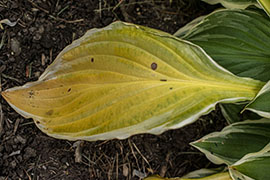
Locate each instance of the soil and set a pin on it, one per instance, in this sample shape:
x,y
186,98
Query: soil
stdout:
x,y
43,29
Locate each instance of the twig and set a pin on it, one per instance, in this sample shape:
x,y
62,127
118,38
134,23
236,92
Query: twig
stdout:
x,y
125,5
17,122
67,21
27,123
1,112
164,167
56,18
117,166
133,154
62,10
89,160
29,177
3,39
50,55
40,8
78,151
11,78
99,8
137,149
124,12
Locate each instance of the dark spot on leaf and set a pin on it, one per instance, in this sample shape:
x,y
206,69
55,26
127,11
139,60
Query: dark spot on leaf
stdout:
x,y
61,85
49,113
216,144
69,90
154,66
38,122
163,79
171,88
92,59
31,93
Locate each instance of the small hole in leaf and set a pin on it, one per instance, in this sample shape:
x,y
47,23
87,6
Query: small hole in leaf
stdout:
x,y
154,66
171,88
163,79
69,90
38,122
92,59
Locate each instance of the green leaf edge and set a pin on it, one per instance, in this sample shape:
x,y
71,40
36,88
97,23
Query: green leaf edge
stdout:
x,y
266,88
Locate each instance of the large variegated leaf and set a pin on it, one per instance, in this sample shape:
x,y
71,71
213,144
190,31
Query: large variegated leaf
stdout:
x,y
233,4
126,79
261,103
235,141
253,166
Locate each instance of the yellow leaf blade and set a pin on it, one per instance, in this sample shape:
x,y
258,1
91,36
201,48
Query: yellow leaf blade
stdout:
x,y
126,79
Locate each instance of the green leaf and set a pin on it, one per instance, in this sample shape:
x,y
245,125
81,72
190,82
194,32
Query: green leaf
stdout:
x,y
253,166
238,40
266,5
235,141
261,103
123,80
233,113
233,4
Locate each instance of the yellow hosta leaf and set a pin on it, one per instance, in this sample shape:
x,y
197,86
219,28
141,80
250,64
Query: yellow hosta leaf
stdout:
x,y
126,79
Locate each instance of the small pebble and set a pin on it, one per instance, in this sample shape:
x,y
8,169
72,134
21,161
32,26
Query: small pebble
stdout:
x,y
13,164
20,139
29,152
15,46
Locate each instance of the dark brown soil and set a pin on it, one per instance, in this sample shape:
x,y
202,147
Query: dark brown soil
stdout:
x,y
43,29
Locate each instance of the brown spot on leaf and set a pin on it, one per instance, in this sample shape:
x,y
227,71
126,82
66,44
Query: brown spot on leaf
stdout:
x,y
38,122
92,59
31,93
49,113
154,66
171,88
69,90
163,79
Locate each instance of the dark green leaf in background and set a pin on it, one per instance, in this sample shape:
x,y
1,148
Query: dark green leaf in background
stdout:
x,y
261,103
238,40
253,166
235,141
233,113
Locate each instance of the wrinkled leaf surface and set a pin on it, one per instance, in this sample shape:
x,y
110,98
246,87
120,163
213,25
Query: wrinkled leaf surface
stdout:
x,y
123,80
